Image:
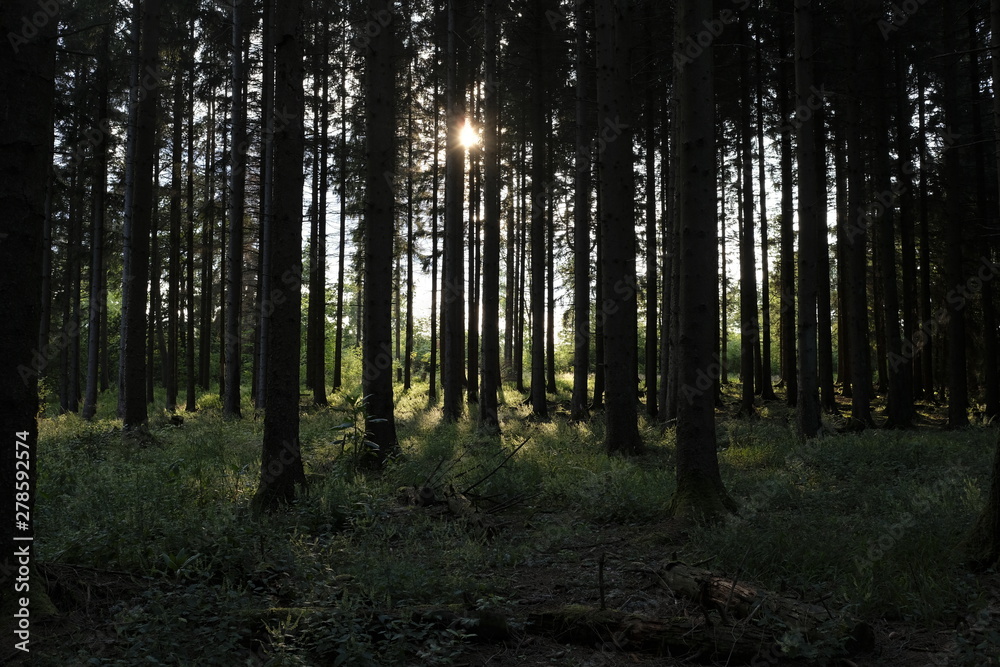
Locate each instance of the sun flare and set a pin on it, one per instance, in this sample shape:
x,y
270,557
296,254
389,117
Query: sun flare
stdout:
x,y
468,135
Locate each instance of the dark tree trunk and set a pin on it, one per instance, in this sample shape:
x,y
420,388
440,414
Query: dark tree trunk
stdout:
x,y
581,220
617,182
207,305
599,358
856,245
26,104
700,491
824,312
317,290
539,201
266,208
237,186
453,290
766,388
652,248
749,320
845,372
281,460
380,133
899,408
789,372
189,356
810,221
488,403
133,344
98,295
926,343
408,347
338,341
174,253
475,261
432,392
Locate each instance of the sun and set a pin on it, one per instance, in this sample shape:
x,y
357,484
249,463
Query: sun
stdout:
x,y
468,135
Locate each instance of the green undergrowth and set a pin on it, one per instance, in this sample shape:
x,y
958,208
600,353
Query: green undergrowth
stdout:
x,y
868,522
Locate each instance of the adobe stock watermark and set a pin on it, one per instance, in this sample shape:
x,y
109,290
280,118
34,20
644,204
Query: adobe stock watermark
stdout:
x,y
695,45
31,25
364,34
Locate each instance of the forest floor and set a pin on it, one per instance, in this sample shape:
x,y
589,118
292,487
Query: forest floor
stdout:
x,y
151,555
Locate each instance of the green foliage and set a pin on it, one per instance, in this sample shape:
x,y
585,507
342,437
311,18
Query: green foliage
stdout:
x,y
868,521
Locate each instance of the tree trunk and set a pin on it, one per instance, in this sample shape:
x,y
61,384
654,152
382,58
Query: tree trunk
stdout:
x,y
26,104
652,247
824,307
539,200
453,290
281,460
789,372
488,402
137,243
380,133
700,491
174,254
317,303
189,356
581,221
207,306
620,294
856,242
766,389
433,370
266,207
749,320
810,221
338,341
237,186
98,295
899,408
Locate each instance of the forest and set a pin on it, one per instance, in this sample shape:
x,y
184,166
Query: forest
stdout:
x,y
500,332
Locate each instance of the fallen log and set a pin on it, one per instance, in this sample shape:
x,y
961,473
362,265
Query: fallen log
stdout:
x,y
735,601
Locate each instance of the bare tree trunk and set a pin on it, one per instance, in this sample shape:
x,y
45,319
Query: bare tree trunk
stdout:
x,y
137,243
700,491
174,252
789,372
453,294
237,186
749,320
98,295
488,402
808,417
539,200
617,182
281,460
581,221
380,223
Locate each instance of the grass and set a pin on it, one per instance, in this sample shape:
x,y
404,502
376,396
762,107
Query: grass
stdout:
x,y
870,522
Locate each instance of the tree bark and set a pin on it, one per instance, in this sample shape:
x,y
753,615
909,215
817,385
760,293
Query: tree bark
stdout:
x,y
581,221
137,243
488,401
26,104
237,186
281,460
453,290
789,371
618,310
98,295
810,220
539,200
380,133
700,491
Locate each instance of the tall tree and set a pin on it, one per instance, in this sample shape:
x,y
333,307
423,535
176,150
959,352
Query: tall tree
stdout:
x,y
789,371
488,403
749,318
380,133
453,291
237,187
135,280
700,491
281,461
98,295
26,105
810,221
538,203
581,217
619,307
